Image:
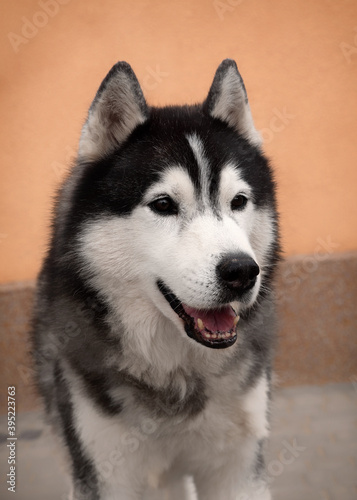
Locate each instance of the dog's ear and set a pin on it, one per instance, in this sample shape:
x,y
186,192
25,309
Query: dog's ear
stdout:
x,y
227,100
117,109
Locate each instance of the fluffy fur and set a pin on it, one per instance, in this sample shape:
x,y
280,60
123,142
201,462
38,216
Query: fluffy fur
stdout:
x,y
168,217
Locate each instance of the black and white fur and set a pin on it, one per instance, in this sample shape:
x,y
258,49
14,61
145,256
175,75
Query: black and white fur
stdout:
x,y
165,208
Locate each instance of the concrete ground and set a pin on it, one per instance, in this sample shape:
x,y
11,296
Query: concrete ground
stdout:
x,y
312,453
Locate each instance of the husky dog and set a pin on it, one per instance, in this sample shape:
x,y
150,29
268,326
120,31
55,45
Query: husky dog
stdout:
x,y
154,322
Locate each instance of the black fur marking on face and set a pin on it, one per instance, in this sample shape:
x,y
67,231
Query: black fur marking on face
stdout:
x,y
189,323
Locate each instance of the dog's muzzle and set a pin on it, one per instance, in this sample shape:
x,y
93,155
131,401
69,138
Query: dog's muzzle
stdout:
x,y
217,328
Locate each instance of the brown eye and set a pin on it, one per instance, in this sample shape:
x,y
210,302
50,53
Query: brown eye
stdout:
x,y
164,206
239,202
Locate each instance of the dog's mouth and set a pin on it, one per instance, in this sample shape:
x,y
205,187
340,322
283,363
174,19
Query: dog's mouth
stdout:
x,y
215,328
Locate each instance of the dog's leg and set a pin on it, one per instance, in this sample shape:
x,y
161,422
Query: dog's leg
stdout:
x,y
182,489
220,486
237,475
179,488
235,469
110,457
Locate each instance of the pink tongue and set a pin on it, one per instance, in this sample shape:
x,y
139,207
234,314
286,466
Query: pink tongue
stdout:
x,y
214,319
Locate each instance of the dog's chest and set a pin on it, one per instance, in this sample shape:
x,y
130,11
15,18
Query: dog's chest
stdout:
x,y
227,417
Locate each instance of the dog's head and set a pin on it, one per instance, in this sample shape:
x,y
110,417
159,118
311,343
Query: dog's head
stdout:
x,y
174,207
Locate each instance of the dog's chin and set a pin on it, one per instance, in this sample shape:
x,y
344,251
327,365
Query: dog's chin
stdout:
x,y
214,328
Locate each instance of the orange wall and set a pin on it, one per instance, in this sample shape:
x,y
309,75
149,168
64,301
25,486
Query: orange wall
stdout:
x,y
298,58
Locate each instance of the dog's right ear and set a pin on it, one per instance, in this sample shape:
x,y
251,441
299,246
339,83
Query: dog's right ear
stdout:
x,y
118,108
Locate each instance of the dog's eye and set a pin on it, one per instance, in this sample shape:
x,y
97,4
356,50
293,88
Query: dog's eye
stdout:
x,y
239,202
164,206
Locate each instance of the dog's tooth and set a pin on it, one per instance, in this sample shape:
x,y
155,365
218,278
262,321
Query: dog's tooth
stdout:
x,y
214,335
236,319
200,324
208,335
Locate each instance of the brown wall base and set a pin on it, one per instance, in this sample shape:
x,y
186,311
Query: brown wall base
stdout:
x,y
317,305
16,301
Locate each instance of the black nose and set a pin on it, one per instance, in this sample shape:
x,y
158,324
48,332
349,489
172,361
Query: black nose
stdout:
x,y
238,271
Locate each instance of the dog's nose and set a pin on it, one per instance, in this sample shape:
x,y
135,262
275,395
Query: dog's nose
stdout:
x,y
238,271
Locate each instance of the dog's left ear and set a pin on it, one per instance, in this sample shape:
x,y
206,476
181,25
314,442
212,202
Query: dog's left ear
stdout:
x,y
227,100
117,109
